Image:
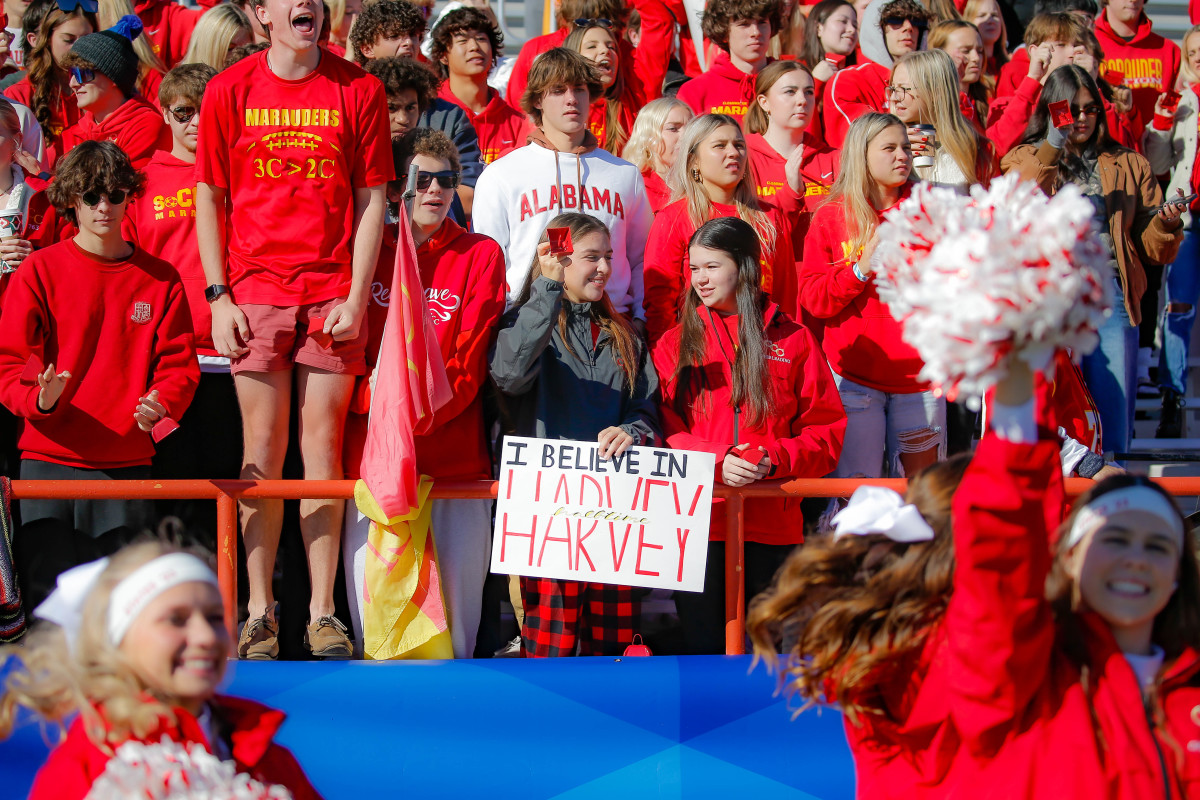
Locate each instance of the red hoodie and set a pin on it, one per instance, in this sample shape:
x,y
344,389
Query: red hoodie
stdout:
x,y
862,340
463,276
818,167
1008,115
803,437
136,126
163,221
850,93
121,328
723,89
1017,698
667,273
64,113
1012,73
1150,62
168,27
75,764
501,127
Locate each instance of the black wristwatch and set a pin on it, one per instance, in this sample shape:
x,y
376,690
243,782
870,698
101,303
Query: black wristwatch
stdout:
x,y
215,291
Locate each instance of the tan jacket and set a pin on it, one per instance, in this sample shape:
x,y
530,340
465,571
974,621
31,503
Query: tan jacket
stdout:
x,y
1132,199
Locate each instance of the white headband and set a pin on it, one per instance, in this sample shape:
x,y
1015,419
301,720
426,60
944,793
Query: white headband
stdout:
x,y
875,509
64,606
1131,499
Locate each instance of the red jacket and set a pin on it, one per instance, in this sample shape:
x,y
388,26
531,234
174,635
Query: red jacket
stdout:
x,y
667,272
862,340
121,328
803,438
850,93
723,89
463,277
631,103
1150,62
1016,697
75,764
136,126
168,27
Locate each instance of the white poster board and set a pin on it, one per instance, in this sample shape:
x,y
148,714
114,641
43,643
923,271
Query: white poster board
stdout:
x,y
637,519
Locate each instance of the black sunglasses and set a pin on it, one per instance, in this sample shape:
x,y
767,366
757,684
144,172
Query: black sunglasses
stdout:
x,y
898,22
584,22
183,114
447,179
115,197
89,6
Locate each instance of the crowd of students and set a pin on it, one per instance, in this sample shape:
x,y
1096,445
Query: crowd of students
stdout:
x,y
209,217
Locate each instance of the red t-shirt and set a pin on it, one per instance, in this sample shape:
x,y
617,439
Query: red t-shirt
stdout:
x,y
162,221
290,154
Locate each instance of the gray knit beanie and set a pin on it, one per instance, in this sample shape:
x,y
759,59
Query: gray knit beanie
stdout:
x,y
110,52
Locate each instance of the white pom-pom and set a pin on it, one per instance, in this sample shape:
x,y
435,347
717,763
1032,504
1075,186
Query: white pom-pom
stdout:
x,y
1007,273
169,770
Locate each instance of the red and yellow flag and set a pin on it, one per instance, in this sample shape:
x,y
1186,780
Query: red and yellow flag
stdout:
x,y
404,615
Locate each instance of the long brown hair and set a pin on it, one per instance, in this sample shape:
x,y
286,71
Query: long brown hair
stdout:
x,y
751,390
756,120
624,338
615,134
851,612
43,72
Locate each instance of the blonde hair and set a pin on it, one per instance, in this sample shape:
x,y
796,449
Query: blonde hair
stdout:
x,y
644,140
934,80
108,13
1189,74
10,121
854,184
999,55
214,34
684,184
337,12
55,680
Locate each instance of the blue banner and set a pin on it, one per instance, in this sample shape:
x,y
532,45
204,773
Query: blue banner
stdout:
x,y
578,728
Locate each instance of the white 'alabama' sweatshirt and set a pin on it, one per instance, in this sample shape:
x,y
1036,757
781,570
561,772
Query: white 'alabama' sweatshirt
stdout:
x,y
518,195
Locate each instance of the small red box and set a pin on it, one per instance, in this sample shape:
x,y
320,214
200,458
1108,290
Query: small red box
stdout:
x,y
1115,78
163,428
1171,100
1060,114
316,332
560,241
751,455
33,368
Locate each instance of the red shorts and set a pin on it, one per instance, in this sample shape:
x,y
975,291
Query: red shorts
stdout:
x,y
279,339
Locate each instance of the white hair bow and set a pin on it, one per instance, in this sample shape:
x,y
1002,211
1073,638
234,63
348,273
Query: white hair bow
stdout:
x,y
64,606
875,509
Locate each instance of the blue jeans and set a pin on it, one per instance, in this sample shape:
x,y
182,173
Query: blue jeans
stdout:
x,y
1110,373
881,426
1183,286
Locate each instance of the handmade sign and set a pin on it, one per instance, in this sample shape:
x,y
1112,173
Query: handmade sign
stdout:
x,y
637,519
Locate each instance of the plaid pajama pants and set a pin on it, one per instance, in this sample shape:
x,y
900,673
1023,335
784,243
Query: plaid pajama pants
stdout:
x,y
600,618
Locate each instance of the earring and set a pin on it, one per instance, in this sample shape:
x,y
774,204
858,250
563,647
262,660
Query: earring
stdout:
x,y
696,175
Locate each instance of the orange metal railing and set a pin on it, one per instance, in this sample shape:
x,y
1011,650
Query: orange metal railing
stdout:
x,y
227,493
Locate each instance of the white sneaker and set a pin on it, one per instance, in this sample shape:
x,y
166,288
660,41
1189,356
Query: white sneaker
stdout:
x,y
510,650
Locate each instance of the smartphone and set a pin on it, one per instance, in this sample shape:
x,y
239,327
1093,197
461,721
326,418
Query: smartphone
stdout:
x,y
1186,201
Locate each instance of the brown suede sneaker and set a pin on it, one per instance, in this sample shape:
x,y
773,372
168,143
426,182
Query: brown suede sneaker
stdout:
x,y
327,638
260,638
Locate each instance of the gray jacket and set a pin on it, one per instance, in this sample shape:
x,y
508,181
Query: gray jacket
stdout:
x,y
565,396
